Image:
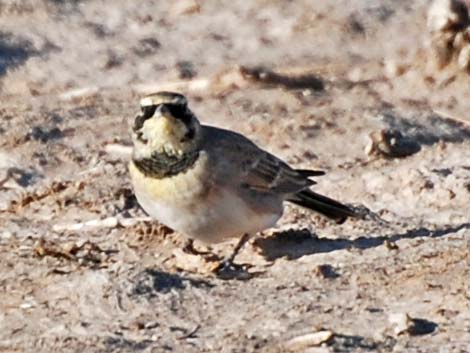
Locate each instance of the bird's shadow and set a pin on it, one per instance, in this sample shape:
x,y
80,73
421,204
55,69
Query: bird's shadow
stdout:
x,y
293,244
152,282
14,51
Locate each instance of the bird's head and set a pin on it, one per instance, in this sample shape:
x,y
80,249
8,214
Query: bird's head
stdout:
x,y
165,125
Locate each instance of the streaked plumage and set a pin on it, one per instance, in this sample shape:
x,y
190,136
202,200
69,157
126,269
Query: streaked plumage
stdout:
x,y
213,184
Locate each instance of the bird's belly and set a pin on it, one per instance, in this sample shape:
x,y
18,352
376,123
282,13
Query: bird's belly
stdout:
x,y
211,221
207,214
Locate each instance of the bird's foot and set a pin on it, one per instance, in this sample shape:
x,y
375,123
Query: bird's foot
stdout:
x,y
227,269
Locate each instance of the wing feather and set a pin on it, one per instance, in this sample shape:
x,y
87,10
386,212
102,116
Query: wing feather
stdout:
x,y
240,161
268,173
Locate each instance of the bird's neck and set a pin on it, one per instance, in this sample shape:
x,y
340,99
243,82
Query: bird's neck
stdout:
x,y
160,164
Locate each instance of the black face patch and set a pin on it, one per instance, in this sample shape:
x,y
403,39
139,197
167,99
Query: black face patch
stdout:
x,y
178,111
147,113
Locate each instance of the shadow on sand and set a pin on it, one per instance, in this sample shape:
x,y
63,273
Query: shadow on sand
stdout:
x,y
151,282
293,244
13,51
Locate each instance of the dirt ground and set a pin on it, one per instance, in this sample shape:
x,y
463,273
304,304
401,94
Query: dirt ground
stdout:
x,y
83,270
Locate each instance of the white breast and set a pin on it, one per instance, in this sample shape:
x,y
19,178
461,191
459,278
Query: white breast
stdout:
x,y
217,218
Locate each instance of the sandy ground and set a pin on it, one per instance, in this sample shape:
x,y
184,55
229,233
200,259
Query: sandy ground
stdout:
x,y
71,73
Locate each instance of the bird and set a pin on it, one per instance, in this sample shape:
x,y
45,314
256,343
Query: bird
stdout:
x,y
211,184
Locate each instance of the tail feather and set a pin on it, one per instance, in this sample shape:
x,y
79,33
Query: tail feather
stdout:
x,y
310,173
324,205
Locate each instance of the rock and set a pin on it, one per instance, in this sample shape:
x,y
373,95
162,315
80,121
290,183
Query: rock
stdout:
x,y
461,39
403,323
391,144
118,151
185,7
79,93
228,79
449,27
109,222
444,15
463,60
300,343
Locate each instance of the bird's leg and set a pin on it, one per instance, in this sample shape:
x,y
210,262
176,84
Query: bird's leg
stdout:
x,y
243,240
227,262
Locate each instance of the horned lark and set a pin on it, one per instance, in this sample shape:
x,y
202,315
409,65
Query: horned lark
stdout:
x,y
212,184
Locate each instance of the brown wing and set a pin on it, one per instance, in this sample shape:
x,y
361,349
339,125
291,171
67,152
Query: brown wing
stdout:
x,y
269,174
254,168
